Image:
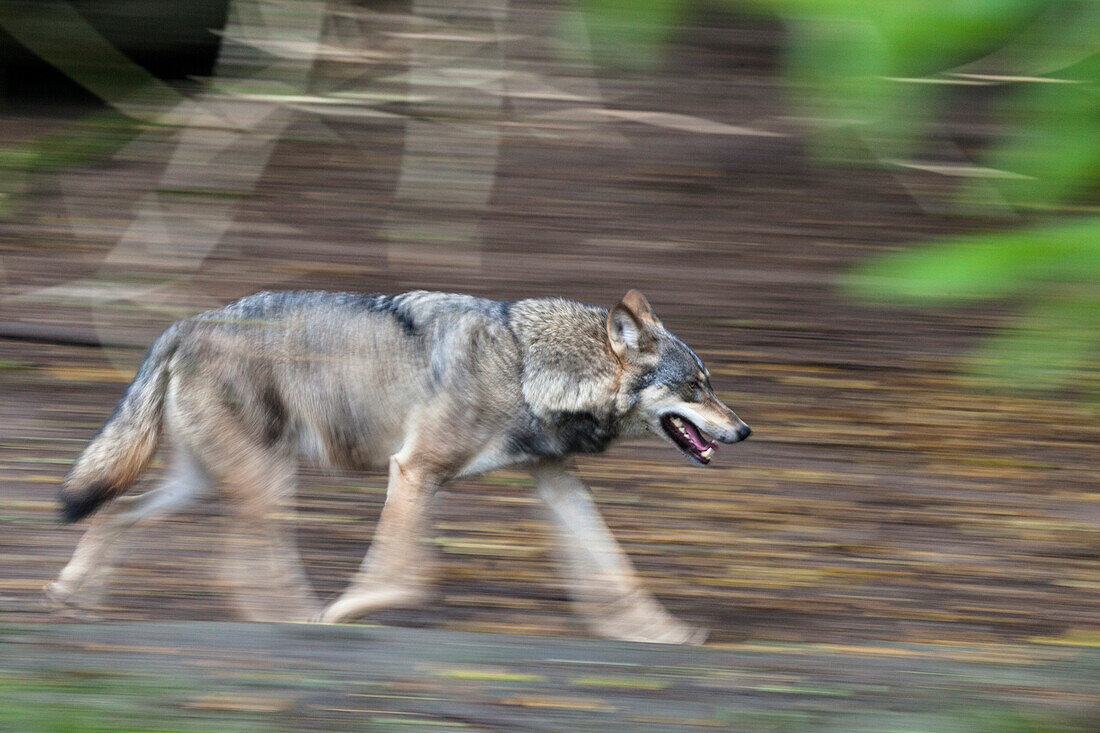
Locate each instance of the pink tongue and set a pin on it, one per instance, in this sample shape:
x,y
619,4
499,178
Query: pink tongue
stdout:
x,y
700,444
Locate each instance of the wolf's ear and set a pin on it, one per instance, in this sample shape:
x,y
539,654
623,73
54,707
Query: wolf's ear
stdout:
x,y
631,325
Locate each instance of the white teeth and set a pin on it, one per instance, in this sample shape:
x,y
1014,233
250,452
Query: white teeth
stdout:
x,y
678,423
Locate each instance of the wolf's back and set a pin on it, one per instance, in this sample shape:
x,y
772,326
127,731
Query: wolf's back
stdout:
x,y
127,441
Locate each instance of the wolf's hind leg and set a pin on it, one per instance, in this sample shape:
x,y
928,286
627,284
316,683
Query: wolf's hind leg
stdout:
x,y
606,589
82,582
261,558
396,569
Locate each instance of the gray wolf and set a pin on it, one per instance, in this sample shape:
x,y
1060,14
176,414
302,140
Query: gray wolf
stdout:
x,y
435,387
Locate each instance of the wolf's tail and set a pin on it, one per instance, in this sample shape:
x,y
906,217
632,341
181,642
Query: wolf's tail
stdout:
x,y
127,441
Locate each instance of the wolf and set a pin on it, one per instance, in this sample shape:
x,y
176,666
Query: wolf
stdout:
x,y
432,386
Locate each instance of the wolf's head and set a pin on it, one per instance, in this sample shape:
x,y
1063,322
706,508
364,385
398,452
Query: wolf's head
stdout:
x,y
666,385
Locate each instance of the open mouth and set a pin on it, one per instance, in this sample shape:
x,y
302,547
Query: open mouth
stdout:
x,y
688,438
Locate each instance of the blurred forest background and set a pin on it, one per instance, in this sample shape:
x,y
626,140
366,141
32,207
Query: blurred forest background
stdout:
x,y
876,221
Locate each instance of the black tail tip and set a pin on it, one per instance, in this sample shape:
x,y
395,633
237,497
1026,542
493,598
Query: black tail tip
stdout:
x,y
75,508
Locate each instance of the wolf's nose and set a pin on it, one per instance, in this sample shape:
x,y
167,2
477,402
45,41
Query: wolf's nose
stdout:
x,y
743,432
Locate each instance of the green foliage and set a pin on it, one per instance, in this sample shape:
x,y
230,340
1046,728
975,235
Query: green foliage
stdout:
x,y
985,266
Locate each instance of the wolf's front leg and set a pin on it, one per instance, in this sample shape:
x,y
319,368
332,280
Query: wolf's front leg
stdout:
x,y
604,585
395,571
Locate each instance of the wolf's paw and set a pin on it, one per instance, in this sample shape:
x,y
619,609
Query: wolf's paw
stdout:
x,y
57,594
694,635
352,605
638,617
62,600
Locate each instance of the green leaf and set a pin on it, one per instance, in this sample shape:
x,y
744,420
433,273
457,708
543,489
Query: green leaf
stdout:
x,y
983,266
